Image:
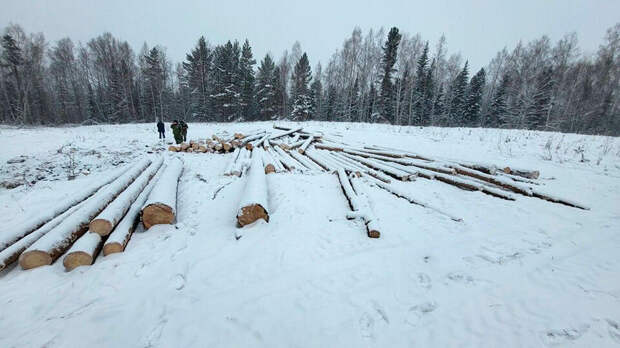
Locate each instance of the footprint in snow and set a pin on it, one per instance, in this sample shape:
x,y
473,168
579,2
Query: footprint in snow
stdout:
x,y
367,324
560,337
424,280
418,312
614,330
179,281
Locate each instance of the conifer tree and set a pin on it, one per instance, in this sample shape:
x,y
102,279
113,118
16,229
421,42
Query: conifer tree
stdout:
x,y
540,104
316,94
420,102
246,71
474,99
499,106
390,51
300,91
266,90
458,90
198,69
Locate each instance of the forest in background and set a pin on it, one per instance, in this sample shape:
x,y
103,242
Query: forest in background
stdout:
x,y
377,76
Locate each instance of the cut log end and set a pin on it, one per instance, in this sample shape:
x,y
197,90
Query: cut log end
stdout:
x,y
34,258
156,214
270,168
76,259
252,213
101,227
373,233
249,146
112,248
173,148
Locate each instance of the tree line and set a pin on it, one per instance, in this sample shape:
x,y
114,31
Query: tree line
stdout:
x,y
383,77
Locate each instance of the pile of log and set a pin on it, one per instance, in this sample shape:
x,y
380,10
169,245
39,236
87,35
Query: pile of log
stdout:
x,y
102,216
222,143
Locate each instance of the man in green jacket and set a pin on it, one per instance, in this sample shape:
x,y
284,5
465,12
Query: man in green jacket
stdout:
x,y
177,131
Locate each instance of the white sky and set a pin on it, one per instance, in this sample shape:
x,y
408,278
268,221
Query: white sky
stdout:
x,y
476,28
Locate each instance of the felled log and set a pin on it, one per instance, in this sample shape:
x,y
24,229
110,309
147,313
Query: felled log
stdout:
x,y
174,148
55,242
226,146
160,207
11,253
238,136
514,187
470,185
529,174
289,162
13,233
408,197
305,161
397,173
253,204
291,131
558,200
402,153
83,251
305,145
114,212
266,159
118,239
279,167
231,165
184,146
360,210
359,167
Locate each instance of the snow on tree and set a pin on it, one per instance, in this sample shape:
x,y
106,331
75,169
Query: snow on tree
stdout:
x,y
198,68
458,91
474,99
390,51
300,91
246,74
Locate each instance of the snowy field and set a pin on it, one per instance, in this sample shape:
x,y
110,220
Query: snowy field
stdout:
x,y
524,273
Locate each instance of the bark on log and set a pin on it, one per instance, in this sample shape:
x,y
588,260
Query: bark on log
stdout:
x,y
357,207
104,223
53,244
160,207
173,148
275,161
9,255
291,131
118,239
305,161
526,191
253,205
12,234
360,167
305,145
83,252
528,174
397,173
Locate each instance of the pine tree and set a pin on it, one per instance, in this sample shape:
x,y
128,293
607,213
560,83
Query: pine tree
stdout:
x,y
246,71
474,99
499,106
265,90
457,103
300,92
540,104
198,68
390,51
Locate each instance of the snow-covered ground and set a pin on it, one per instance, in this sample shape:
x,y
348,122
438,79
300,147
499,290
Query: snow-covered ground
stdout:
x,y
526,273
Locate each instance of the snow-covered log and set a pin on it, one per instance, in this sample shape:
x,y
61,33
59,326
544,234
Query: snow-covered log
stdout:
x,y
11,253
501,182
253,204
362,168
397,173
315,156
160,207
289,162
305,144
275,160
268,161
360,210
55,242
231,165
118,239
83,251
404,153
12,234
528,174
104,223
470,185
405,195
305,161
291,131
554,199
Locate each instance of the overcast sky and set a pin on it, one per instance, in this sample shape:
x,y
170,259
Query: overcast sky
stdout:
x,y
478,29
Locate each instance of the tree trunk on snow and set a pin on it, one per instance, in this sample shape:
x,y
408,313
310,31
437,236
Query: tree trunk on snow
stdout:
x,y
160,207
253,205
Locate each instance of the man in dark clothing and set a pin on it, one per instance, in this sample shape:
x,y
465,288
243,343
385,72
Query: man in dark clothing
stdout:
x,y
176,131
184,130
161,129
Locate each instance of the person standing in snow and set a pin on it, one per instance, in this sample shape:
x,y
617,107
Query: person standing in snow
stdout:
x,y
161,129
176,131
184,130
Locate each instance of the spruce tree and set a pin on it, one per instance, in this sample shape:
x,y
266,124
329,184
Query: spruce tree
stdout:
x,y
198,69
226,94
457,103
154,80
316,95
390,51
280,93
499,106
300,91
474,99
439,106
420,102
540,104
265,89
246,71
